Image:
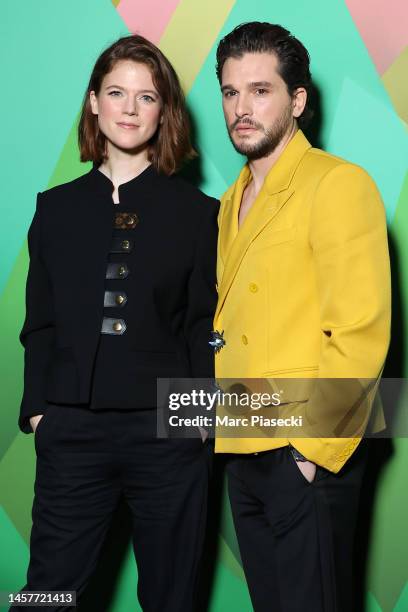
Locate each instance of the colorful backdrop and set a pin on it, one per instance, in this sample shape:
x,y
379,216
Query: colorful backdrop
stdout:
x,y
360,67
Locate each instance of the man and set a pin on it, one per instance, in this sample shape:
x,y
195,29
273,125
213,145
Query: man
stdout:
x,y
304,292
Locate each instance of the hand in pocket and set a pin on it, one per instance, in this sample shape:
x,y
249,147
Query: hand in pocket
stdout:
x,y
308,469
34,420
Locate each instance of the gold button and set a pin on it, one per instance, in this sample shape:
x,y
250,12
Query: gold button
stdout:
x,y
131,220
244,339
125,245
122,271
120,299
253,287
117,326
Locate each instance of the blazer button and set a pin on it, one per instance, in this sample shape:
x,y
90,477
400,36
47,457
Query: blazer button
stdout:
x,y
121,271
125,245
244,339
253,287
120,299
117,326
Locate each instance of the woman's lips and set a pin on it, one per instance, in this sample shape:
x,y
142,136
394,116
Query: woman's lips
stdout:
x,y
127,126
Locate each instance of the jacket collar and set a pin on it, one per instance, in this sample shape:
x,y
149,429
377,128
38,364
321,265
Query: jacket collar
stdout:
x,y
275,192
281,174
104,186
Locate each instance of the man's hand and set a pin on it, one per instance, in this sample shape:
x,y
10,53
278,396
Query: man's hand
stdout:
x,y
308,469
34,420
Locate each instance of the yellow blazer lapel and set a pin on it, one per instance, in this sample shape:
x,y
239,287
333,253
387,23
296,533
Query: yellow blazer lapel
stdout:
x,y
275,192
230,210
263,210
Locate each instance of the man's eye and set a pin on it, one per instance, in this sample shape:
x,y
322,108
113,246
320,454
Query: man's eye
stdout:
x,y
229,94
261,92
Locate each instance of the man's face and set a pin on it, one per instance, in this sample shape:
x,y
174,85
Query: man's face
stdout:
x,y
258,109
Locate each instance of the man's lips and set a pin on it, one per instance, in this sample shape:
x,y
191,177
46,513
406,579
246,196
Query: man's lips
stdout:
x,y
244,127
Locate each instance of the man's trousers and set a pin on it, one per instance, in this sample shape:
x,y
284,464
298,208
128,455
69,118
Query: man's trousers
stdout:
x,y
295,537
85,462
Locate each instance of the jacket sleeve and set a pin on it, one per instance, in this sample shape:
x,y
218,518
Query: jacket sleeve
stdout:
x,y
202,294
38,332
348,236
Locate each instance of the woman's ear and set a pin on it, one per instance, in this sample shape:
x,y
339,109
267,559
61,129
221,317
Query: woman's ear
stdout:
x,y
94,102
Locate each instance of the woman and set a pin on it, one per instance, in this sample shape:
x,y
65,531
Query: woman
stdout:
x,y
120,291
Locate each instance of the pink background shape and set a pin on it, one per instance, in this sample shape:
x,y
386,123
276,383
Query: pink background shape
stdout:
x,y
383,26
147,17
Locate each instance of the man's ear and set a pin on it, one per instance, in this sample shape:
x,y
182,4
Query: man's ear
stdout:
x,y
299,100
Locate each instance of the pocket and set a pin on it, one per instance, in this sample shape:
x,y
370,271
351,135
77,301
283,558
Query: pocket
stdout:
x,y
270,239
275,373
40,427
299,474
40,423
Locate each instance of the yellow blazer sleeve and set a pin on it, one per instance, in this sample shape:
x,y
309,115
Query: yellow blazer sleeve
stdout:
x,y
348,236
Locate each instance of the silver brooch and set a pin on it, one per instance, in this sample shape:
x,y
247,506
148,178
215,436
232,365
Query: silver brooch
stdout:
x,y
217,341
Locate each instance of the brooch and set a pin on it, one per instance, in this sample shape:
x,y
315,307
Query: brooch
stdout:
x,y
126,220
217,341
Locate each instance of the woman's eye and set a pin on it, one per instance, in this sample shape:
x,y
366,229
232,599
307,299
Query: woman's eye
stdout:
x,y
147,98
115,93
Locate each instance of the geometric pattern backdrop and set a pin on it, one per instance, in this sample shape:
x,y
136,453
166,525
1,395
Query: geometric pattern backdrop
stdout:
x,y
359,52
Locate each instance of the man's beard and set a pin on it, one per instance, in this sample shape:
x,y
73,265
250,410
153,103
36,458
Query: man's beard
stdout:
x,y
271,139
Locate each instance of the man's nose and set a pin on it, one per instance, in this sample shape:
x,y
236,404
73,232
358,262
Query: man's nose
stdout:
x,y
243,106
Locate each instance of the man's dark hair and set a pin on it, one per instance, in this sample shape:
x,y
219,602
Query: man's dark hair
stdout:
x,y
263,37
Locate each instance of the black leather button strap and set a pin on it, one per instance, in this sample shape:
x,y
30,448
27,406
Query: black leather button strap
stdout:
x,y
114,299
113,327
120,245
117,270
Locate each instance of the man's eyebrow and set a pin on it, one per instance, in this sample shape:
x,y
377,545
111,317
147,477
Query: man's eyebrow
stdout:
x,y
260,84
251,84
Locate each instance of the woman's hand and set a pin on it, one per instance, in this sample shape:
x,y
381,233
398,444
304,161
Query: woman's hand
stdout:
x,y
34,420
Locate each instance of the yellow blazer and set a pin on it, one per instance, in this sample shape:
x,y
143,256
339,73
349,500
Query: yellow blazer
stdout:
x,y
304,289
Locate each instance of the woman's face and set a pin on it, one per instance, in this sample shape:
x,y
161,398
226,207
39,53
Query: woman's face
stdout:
x,y
128,106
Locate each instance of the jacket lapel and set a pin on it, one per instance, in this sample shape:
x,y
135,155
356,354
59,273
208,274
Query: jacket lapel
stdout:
x,y
229,219
275,192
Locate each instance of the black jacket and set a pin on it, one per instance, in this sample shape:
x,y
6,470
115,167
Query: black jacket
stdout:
x,y
69,241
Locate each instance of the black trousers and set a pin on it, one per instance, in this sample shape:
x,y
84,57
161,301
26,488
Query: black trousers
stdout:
x,y
85,462
295,537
